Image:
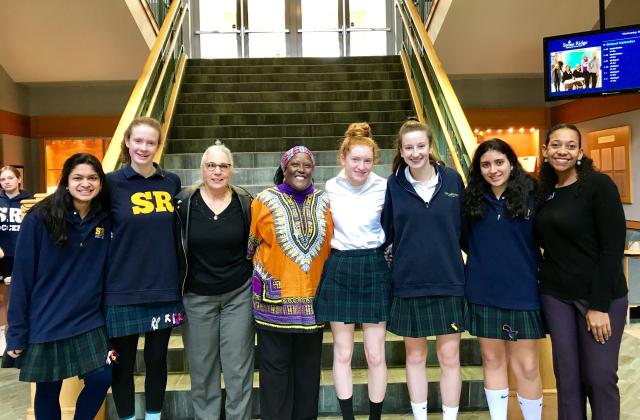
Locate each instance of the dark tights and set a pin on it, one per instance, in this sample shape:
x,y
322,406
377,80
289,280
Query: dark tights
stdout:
x,y
155,382
47,400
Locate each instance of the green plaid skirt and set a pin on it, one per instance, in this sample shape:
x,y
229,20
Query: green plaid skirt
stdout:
x,y
355,287
505,324
138,319
57,360
427,316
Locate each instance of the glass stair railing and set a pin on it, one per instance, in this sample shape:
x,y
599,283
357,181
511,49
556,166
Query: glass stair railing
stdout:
x,y
433,97
155,92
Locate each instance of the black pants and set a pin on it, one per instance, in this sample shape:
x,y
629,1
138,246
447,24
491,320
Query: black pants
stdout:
x,y
289,375
155,381
584,368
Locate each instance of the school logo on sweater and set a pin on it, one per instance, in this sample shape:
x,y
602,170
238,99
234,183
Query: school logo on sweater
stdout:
x,y
151,201
99,233
12,217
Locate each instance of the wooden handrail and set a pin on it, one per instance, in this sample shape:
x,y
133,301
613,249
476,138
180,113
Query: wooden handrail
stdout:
x,y
454,155
110,160
466,134
149,13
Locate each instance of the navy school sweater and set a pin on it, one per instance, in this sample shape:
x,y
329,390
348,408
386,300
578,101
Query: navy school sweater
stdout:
x,y
143,259
56,290
10,219
502,258
426,236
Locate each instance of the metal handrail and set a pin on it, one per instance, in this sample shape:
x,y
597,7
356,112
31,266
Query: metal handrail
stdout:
x,y
158,77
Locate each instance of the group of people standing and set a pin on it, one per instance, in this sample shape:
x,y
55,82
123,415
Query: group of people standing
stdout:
x,y
107,258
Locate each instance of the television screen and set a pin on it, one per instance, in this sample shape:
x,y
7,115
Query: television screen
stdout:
x,y
592,63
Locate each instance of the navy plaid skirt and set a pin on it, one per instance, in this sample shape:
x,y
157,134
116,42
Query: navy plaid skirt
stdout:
x,y
427,316
56,360
139,319
505,324
355,287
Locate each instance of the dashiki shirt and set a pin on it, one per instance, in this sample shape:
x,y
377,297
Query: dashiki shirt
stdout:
x,y
289,243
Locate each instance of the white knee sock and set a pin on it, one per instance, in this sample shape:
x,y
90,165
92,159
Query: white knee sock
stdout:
x,y
449,413
498,401
419,410
531,409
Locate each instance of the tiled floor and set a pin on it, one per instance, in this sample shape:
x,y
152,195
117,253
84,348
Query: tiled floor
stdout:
x,y
14,395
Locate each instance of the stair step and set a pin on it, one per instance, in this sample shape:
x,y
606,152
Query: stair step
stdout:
x,y
273,130
178,403
264,176
296,96
263,61
291,68
394,353
260,118
268,144
262,159
294,77
289,107
304,86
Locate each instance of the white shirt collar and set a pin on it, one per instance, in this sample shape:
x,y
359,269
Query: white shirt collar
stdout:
x,y
432,182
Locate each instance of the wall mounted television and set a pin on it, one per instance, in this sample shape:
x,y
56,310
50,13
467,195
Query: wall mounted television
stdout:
x,y
594,63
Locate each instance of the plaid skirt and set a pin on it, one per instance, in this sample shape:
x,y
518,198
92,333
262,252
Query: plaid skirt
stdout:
x,y
57,360
139,319
505,324
426,316
355,287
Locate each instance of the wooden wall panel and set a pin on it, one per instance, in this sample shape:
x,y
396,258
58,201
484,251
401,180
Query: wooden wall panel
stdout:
x,y
74,126
14,124
507,117
591,108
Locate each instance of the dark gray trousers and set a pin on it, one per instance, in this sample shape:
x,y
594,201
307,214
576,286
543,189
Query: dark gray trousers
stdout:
x,y
584,368
219,336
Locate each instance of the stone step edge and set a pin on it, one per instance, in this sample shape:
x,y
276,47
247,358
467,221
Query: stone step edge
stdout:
x,y
281,102
175,341
266,82
278,125
278,74
395,375
286,92
196,114
332,152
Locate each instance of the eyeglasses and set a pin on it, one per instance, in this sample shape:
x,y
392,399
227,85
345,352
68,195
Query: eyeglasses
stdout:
x,y
211,166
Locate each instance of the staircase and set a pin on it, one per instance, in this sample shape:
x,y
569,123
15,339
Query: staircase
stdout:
x,y
259,108
262,107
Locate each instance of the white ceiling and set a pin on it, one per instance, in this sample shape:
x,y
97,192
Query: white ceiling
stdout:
x,y
504,37
70,41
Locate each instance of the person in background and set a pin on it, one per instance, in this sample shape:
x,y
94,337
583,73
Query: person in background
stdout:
x,y
594,69
504,307
585,70
56,325
578,77
289,242
214,218
422,220
355,284
581,226
10,220
142,291
567,78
